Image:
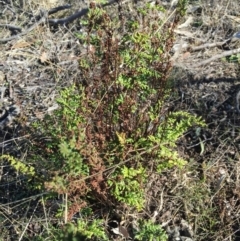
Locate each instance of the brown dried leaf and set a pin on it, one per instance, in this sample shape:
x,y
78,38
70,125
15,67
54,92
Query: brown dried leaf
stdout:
x,y
44,57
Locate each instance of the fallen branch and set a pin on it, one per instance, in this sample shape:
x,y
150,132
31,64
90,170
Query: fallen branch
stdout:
x,y
69,19
11,27
210,45
41,20
218,56
44,18
76,15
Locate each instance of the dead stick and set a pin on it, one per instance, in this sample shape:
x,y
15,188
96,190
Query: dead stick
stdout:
x,y
218,56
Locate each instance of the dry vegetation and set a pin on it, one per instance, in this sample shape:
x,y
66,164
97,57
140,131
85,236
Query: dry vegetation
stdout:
x,y
199,202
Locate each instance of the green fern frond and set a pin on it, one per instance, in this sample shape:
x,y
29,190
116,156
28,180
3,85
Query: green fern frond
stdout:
x,y
18,165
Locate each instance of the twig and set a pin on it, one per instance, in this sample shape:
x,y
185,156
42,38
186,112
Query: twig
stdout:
x,y
26,226
66,209
41,20
238,101
11,27
69,19
210,45
62,21
218,56
56,9
76,15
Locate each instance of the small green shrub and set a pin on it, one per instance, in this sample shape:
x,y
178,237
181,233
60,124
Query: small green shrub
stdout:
x,y
115,118
83,230
127,186
149,231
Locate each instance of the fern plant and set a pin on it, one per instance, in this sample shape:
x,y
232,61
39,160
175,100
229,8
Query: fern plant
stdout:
x,y
83,230
149,231
127,186
115,117
19,166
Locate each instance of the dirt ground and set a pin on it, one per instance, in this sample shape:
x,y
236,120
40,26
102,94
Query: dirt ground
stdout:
x,y
201,202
